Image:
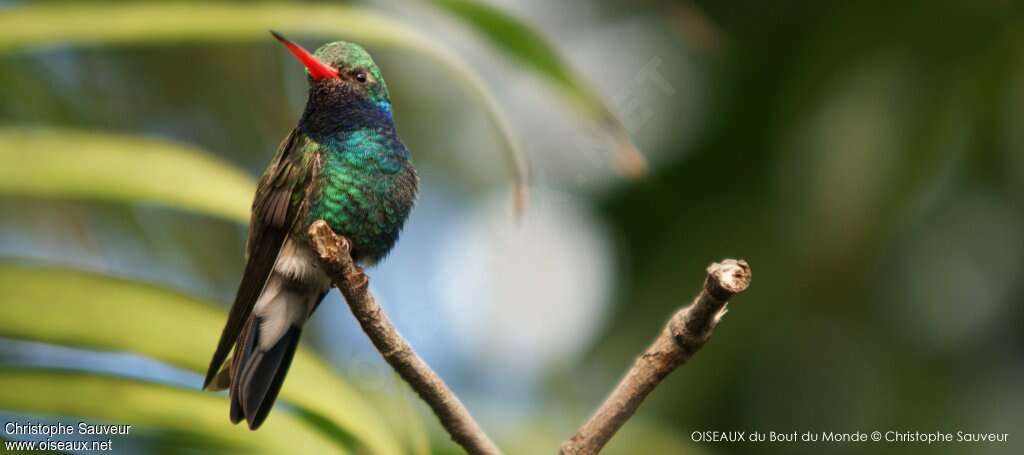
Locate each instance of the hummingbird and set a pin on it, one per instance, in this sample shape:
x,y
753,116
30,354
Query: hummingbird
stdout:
x,y
343,163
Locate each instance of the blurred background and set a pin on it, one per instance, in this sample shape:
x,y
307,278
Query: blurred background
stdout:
x,y
866,158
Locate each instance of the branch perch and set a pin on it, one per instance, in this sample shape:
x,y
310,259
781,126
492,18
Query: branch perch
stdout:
x,y
683,335
334,252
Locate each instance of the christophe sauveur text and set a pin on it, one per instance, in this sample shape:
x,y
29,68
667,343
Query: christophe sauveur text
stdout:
x,y
61,429
61,436
892,436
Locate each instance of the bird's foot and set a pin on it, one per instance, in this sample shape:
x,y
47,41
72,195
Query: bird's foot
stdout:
x,y
334,251
358,277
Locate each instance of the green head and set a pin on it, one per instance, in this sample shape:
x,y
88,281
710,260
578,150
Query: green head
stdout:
x,y
341,65
355,67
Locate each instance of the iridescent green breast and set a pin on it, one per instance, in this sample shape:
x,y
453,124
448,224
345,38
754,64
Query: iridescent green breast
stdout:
x,y
365,189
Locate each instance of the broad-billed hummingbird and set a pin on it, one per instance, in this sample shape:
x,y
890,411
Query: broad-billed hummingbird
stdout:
x,y
344,164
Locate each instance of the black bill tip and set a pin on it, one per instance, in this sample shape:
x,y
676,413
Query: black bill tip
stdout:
x,y
279,37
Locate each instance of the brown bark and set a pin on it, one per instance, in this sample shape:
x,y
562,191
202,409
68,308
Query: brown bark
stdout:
x,y
683,335
334,252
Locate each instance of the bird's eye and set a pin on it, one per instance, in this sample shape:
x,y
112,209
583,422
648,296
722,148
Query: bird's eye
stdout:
x,y
361,77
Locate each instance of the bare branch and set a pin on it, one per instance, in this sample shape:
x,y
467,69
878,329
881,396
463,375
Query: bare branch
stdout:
x,y
334,252
683,335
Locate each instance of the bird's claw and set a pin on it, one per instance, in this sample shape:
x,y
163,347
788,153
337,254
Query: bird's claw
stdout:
x,y
358,277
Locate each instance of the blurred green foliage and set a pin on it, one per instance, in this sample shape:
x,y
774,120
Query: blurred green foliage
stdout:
x,y
46,163
110,314
848,147
97,312
161,22
195,418
523,44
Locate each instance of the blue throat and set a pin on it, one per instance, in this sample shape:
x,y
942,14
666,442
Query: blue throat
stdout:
x,y
333,111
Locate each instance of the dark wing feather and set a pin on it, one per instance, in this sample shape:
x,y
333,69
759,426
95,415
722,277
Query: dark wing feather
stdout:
x,y
272,217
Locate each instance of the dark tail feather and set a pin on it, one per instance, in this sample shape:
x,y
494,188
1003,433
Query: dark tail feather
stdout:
x,y
243,350
257,376
257,272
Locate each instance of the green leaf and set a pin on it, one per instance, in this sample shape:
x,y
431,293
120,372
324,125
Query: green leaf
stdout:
x,y
148,407
37,25
521,43
93,166
87,310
